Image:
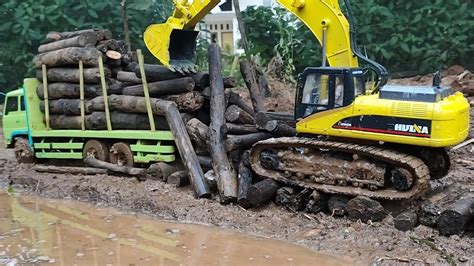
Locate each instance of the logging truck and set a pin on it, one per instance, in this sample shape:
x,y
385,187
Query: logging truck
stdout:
x,y
26,128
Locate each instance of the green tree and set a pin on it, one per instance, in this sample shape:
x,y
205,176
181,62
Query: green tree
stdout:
x,y
405,36
24,25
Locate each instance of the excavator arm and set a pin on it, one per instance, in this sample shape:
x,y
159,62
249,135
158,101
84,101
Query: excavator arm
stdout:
x,y
174,42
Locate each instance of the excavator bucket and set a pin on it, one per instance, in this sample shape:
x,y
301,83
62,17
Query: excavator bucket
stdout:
x,y
175,48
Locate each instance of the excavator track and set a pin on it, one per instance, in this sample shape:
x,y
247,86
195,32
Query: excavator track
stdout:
x,y
295,164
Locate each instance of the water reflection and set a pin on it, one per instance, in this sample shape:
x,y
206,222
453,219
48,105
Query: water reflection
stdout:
x,y
34,230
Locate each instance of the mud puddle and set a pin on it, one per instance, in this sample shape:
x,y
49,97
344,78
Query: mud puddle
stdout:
x,y
36,230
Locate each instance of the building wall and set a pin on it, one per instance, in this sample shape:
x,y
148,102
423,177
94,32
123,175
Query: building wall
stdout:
x,y
223,27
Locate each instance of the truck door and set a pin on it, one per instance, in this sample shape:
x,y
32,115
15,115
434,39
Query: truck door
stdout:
x,y
14,118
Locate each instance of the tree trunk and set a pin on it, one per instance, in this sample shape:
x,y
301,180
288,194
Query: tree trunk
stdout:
x,y
250,78
128,77
68,170
159,88
199,134
161,171
455,219
102,34
244,141
234,114
68,56
67,91
365,209
185,148
66,106
227,178
245,181
179,179
161,73
337,205
406,221
188,101
132,171
71,75
205,162
211,179
292,199
230,82
126,34
279,129
262,192
97,121
85,39
126,103
234,98
263,118
429,214
317,202
235,129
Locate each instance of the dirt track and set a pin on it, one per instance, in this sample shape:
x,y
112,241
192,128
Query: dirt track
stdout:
x,y
378,242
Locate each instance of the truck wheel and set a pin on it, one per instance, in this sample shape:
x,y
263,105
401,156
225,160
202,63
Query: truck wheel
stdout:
x,y
97,149
121,154
23,151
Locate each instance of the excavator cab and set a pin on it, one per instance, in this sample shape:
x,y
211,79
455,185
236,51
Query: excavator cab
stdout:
x,y
325,88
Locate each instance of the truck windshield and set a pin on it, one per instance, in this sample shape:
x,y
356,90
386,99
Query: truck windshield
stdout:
x,y
11,105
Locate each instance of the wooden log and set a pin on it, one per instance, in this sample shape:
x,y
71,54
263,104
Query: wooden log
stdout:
x,y
199,135
68,170
244,141
128,77
174,86
245,181
185,148
161,171
235,99
337,205
211,179
126,103
82,40
250,78
262,118
188,101
114,55
279,129
365,209
235,114
292,199
236,129
205,162
97,121
406,221
71,75
455,219
66,106
68,56
67,91
161,73
317,202
179,179
101,34
227,177
262,192
429,214
230,82
132,171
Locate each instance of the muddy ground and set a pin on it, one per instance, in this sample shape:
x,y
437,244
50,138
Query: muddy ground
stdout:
x,y
376,242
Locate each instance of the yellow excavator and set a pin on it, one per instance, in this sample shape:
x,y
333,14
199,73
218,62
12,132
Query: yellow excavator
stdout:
x,y
383,141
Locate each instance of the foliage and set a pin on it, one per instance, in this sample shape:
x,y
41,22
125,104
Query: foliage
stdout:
x,y
405,36
24,25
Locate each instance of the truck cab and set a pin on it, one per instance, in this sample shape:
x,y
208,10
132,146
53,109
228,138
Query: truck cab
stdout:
x,y
14,117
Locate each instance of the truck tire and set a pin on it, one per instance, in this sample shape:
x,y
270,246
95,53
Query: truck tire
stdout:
x,y
23,151
97,149
121,154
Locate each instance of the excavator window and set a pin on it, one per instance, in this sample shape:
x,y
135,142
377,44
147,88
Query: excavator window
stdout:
x,y
322,89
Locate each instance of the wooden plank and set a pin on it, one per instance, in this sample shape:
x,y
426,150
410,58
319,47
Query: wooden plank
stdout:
x,y
46,98
104,93
81,95
145,90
